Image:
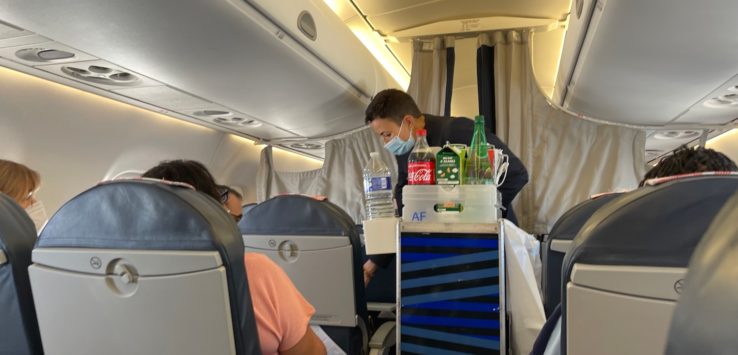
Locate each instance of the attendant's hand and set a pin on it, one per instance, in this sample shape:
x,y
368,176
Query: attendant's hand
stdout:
x,y
369,268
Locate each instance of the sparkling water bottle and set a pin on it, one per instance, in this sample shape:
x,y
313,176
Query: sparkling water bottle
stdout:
x,y
477,170
378,189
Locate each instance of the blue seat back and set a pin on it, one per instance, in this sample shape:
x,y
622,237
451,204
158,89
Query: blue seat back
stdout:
x,y
296,217
248,207
148,216
653,226
563,233
18,326
706,317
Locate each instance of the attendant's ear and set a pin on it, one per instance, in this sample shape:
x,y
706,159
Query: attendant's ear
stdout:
x,y
409,120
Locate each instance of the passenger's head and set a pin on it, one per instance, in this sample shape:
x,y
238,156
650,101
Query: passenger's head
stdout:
x,y
393,113
187,171
690,160
233,201
19,182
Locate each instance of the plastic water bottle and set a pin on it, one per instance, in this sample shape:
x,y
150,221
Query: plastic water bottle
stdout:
x,y
378,189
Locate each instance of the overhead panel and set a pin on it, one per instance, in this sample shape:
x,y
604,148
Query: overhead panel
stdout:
x,y
42,53
19,38
577,28
472,25
663,142
395,15
666,140
314,148
164,97
8,31
718,107
218,50
236,121
99,73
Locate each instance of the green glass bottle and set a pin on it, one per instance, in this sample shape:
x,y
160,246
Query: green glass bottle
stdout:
x,y
477,170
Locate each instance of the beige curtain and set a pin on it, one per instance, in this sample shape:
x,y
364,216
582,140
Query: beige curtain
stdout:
x,y
568,158
340,179
429,74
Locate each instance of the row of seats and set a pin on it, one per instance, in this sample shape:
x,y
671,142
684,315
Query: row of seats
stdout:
x,y
154,268
618,264
309,238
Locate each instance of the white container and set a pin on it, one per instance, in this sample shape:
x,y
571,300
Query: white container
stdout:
x,y
380,235
450,203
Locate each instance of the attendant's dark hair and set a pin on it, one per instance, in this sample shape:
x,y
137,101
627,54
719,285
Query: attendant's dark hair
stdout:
x,y
393,104
690,160
187,171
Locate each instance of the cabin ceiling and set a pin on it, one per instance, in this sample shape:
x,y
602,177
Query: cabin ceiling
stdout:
x,y
221,62
389,16
647,62
212,62
411,18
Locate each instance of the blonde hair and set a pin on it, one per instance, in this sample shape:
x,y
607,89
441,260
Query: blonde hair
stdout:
x,y
17,180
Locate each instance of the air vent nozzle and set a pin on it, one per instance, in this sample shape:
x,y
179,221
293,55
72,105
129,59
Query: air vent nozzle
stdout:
x,y
43,55
212,113
227,118
102,75
307,145
306,24
676,135
247,122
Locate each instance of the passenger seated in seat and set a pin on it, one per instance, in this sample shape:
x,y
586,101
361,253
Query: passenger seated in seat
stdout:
x,y
690,160
232,201
21,183
683,161
282,313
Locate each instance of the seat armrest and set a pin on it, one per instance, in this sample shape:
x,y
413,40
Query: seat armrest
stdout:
x,y
381,307
383,339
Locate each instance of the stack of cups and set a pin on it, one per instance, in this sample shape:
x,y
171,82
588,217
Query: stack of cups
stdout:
x,y
499,162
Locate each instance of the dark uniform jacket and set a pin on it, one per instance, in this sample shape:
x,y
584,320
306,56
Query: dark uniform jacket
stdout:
x,y
460,130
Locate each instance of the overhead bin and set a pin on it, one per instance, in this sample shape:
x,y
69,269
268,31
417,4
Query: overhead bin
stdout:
x,y
650,62
333,41
250,56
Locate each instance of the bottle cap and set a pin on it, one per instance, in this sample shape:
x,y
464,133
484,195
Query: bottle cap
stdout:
x,y
421,132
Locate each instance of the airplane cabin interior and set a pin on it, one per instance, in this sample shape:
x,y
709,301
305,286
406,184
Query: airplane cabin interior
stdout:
x,y
605,227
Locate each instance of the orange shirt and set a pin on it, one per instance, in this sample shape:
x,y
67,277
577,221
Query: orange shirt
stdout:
x,y
282,314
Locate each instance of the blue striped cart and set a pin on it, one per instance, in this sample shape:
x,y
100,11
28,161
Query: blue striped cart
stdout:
x,y
451,294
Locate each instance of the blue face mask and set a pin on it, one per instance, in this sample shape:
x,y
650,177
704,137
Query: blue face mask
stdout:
x,y
397,146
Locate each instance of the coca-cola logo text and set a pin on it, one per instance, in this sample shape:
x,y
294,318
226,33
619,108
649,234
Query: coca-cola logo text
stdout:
x,y
421,175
